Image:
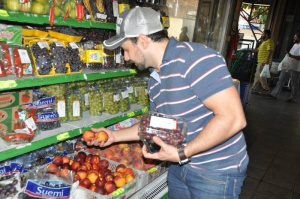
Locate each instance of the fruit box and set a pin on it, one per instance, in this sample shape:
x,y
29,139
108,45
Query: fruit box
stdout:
x,y
156,171
12,99
141,179
11,34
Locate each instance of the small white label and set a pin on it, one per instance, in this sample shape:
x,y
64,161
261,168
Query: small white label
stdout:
x,y
101,16
76,108
146,91
86,99
59,44
25,130
136,91
118,56
116,8
164,123
130,89
73,45
43,44
124,94
24,56
61,108
116,97
87,16
30,124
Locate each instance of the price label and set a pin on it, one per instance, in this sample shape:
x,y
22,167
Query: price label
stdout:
x,y
130,89
43,44
59,44
4,13
131,114
152,170
61,108
132,71
30,123
101,16
124,94
116,98
24,56
73,45
145,109
118,192
63,136
76,108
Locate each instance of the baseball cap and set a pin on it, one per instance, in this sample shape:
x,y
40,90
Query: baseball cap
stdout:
x,y
132,23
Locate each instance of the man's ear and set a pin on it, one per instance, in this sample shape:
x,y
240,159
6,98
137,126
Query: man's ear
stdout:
x,y
143,41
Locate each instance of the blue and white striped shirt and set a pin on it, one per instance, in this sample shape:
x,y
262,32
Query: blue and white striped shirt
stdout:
x,y
189,74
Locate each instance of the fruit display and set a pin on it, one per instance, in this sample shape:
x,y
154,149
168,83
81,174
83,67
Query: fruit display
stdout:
x,y
74,58
16,5
41,7
42,56
142,94
172,130
6,59
111,100
59,57
73,106
95,100
124,100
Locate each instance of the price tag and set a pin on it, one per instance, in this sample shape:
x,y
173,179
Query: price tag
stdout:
x,y
59,44
131,114
4,13
118,192
132,71
130,89
86,99
8,84
152,170
30,124
73,45
124,94
115,8
164,123
43,44
76,108
24,56
87,16
63,136
145,109
101,16
61,108
116,98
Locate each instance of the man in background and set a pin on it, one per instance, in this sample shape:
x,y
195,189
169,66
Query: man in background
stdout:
x,y
183,35
264,56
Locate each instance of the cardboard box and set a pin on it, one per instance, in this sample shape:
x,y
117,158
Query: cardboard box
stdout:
x,y
11,34
11,99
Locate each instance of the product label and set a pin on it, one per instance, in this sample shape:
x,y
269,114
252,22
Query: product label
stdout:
x,y
30,124
42,103
124,94
118,56
101,16
16,167
47,117
73,45
59,44
36,189
86,99
5,171
43,44
130,89
76,108
164,123
166,22
123,7
61,108
24,56
115,8
116,97
87,16
94,56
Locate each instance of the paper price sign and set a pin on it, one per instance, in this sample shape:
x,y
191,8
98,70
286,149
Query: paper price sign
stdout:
x,y
63,136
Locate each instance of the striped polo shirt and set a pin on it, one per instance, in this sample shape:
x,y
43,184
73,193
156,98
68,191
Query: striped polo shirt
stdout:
x,y
263,51
189,74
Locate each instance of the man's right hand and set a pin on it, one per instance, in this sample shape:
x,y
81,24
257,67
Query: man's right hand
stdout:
x,y
111,138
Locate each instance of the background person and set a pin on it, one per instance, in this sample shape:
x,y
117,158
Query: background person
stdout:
x,y
183,35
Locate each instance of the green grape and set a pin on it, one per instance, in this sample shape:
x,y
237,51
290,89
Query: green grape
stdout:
x,y
95,100
110,102
72,100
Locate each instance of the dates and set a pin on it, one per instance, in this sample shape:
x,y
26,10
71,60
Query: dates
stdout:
x,y
59,57
42,59
170,129
96,103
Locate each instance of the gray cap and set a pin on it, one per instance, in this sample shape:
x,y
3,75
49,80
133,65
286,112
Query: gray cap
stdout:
x,y
132,23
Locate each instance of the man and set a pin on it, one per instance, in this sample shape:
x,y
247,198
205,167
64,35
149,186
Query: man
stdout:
x,y
291,61
190,81
264,56
183,35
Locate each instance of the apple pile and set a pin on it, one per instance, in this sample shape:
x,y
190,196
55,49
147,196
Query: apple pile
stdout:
x,y
92,172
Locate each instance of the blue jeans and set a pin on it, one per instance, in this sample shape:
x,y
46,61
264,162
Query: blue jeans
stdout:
x,y
186,184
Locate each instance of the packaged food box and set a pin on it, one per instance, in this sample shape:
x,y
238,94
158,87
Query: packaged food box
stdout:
x,y
172,130
11,34
12,99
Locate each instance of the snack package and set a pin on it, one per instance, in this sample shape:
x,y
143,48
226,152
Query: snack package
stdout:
x,y
172,130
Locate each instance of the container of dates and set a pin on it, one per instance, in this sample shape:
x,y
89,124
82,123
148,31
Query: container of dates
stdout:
x,y
172,130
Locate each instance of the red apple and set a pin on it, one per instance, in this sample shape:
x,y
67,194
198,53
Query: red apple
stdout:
x,y
120,168
100,190
119,181
104,164
52,168
110,186
57,160
82,174
65,160
82,154
75,165
93,188
128,171
89,158
102,136
88,165
100,182
88,136
85,183
66,166
109,177
95,167
95,159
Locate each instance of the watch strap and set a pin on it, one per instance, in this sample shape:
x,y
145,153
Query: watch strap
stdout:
x,y
182,156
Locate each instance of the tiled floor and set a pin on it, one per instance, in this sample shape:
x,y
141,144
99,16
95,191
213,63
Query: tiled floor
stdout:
x,y
273,139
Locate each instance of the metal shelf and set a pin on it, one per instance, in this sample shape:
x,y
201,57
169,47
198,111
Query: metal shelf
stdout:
x,y
44,19
67,131
10,82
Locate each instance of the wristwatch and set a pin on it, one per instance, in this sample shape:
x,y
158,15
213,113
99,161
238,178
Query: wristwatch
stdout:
x,y
183,159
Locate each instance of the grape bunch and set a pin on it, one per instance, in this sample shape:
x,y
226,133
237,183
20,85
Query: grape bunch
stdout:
x,y
74,59
45,126
59,58
43,59
8,190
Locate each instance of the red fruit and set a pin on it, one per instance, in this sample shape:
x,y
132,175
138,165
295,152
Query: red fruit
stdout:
x,y
82,174
100,182
75,165
110,186
93,188
57,160
102,136
52,168
120,168
65,160
88,165
104,164
119,181
105,172
79,159
95,167
82,154
82,168
95,159
88,136
109,177
85,183
66,166
100,190
89,158
92,177
128,171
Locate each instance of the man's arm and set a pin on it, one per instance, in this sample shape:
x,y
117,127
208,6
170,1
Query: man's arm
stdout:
x,y
229,119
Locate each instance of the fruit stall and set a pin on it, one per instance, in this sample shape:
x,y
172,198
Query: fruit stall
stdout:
x,y
57,82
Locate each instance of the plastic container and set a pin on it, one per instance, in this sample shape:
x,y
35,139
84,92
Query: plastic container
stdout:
x,y
95,101
111,100
74,109
74,60
124,100
59,57
172,130
142,94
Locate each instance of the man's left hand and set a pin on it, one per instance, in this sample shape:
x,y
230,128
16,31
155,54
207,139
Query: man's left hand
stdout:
x,y
167,152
